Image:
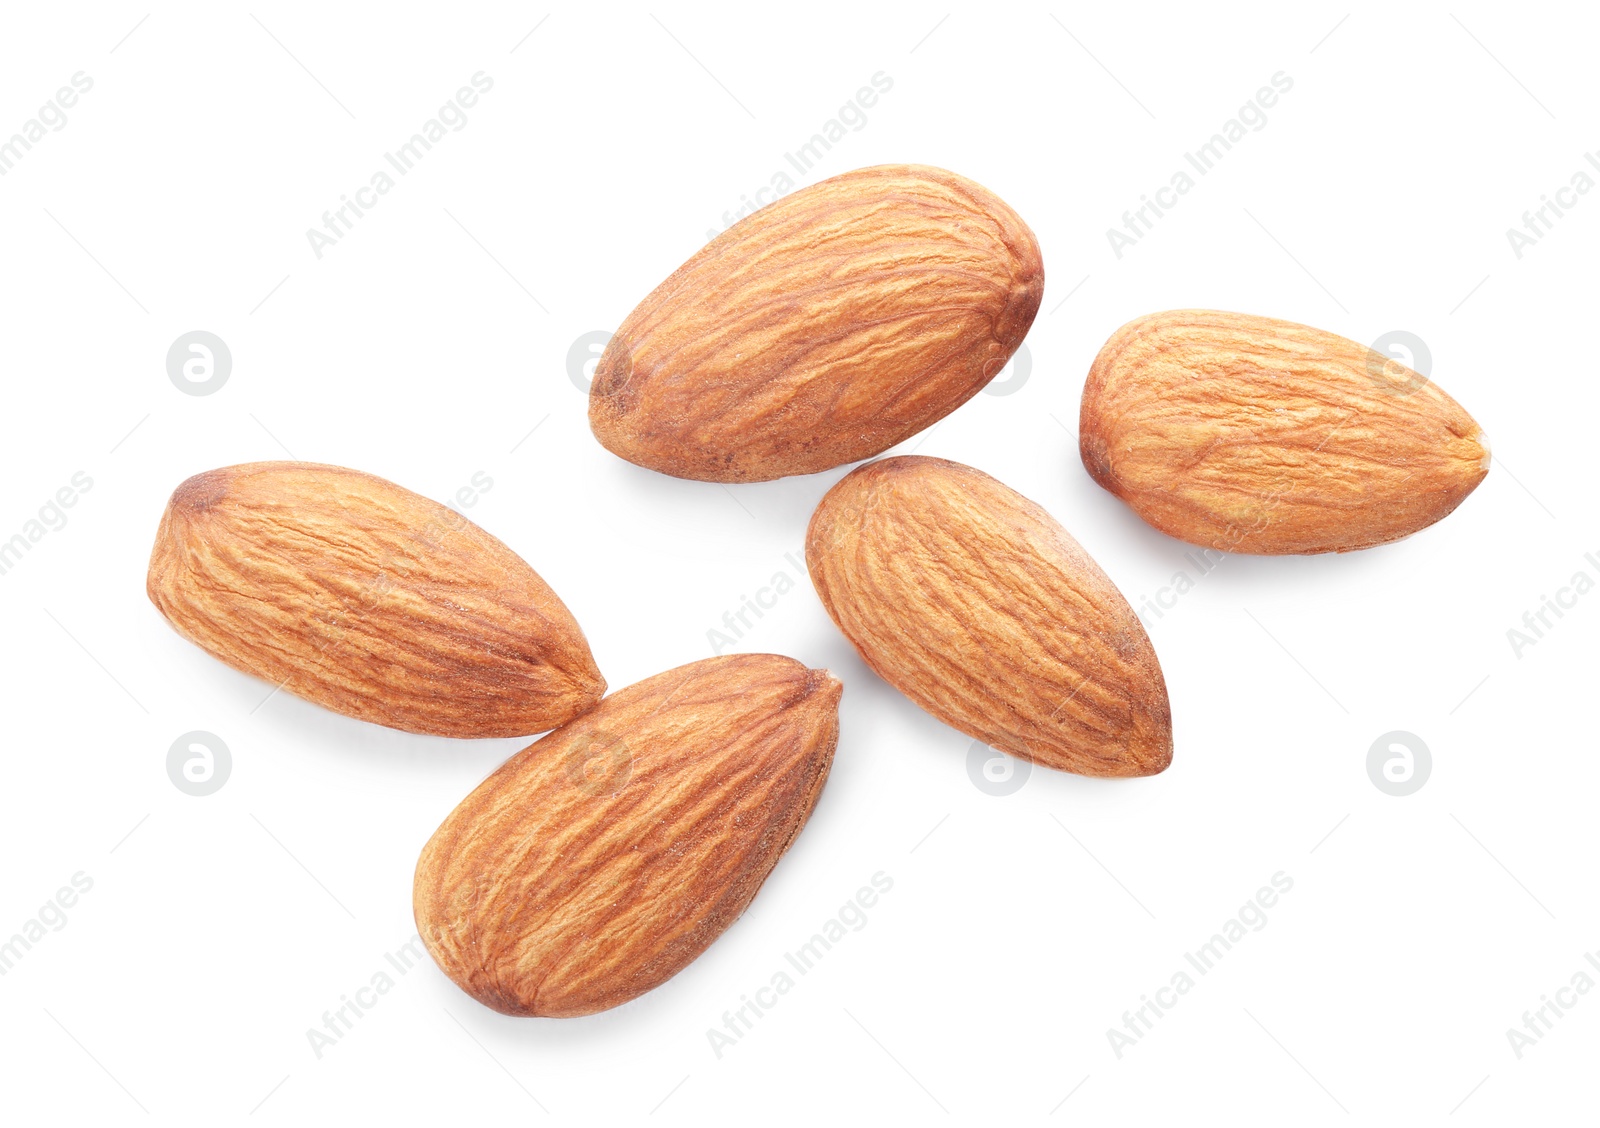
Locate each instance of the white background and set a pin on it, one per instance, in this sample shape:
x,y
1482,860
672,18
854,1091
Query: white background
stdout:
x,y
433,338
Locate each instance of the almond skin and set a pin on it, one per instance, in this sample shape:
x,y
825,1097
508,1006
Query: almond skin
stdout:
x,y
598,862
1246,434
823,329
973,602
369,600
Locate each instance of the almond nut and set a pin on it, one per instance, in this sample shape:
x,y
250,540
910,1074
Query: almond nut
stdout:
x,y
598,862
973,602
369,600
1246,434
824,328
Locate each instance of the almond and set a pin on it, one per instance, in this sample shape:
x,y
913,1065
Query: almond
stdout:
x,y
598,862
824,328
1246,434
973,602
369,600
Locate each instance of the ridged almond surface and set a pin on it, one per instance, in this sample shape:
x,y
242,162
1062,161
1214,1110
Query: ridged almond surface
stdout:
x,y
369,600
1247,434
824,328
973,602
601,860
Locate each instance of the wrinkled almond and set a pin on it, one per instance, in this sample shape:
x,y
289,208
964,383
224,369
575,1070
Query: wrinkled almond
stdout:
x,y
369,600
824,328
973,602
601,860
1246,434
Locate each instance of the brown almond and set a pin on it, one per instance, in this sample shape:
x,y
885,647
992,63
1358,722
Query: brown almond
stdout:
x,y
368,599
1246,434
598,862
976,604
824,328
